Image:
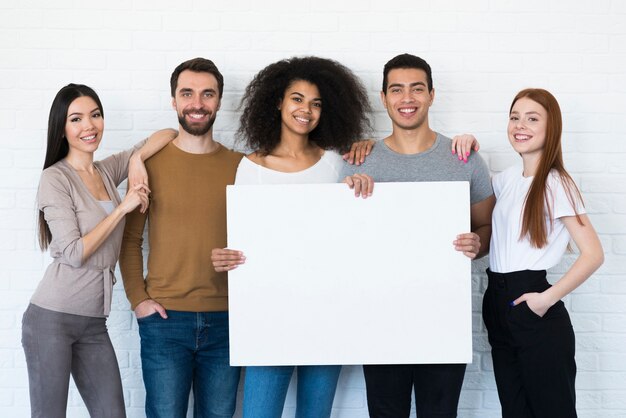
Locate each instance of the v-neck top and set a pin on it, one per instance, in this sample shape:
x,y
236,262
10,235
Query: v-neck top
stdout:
x,y
71,285
107,205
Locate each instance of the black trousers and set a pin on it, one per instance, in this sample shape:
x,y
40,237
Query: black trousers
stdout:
x,y
437,389
533,357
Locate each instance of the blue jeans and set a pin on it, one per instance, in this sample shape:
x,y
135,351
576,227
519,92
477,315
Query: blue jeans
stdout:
x,y
265,390
188,349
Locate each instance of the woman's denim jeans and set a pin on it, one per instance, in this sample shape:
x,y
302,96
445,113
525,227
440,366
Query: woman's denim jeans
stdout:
x,y
265,390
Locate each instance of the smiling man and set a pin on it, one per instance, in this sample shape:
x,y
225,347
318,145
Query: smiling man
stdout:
x,y
181,305
414,152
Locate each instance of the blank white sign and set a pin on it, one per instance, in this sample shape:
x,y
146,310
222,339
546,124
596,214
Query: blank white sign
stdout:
x,y
334,279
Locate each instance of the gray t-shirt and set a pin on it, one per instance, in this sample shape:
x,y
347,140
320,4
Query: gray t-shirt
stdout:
x,y
436,164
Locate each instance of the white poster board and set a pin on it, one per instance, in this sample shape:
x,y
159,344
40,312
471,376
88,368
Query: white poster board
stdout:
x,y
334,279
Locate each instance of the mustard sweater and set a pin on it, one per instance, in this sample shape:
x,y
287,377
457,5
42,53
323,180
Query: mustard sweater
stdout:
x,y
186,220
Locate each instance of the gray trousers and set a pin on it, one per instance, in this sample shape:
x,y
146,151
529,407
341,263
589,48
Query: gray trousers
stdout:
x,y
57,344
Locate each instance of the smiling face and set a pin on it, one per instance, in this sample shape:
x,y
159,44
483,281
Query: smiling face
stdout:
x,y
407,98
196,101
527,127
300,108
84,125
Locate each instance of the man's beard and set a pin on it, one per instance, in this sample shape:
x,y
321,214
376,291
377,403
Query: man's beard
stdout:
x,y
196,129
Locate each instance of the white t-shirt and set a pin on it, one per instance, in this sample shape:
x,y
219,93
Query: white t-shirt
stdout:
x,y
326,170
507,252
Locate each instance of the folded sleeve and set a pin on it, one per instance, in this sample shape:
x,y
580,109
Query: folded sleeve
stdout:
x,y
54,199
117,164
564,201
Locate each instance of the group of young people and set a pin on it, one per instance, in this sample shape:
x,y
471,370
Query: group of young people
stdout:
x,y
299,115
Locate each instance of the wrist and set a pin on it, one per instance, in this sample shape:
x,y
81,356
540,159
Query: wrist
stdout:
x,y
119,212
138,156
550,298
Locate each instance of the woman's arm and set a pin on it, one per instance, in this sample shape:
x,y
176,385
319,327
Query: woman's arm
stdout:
x,y
135,196
137,173
462,145
358,151
57,204
225,260
590,258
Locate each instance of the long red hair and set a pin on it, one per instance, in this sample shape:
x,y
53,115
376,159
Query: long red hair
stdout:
x,y
538,200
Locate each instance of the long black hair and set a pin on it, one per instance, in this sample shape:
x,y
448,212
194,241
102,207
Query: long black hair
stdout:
x,y
345,104
57,145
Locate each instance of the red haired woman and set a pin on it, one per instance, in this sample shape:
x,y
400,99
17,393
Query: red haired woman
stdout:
x,y
538,209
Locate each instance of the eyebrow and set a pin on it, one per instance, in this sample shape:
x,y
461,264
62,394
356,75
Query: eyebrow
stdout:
x,y
302,95
527,113
189,90
417,83
78,113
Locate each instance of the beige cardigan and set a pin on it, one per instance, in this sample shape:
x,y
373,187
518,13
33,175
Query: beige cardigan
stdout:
x,y
71,285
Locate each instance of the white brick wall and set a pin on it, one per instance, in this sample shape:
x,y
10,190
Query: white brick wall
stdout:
x,y
482,52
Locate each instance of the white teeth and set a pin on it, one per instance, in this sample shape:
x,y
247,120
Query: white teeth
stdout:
x,y
407,110
195,116
303,120
88,138
522,137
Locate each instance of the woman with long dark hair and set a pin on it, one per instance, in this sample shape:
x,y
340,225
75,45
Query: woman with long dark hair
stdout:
x,y
81,219
538,209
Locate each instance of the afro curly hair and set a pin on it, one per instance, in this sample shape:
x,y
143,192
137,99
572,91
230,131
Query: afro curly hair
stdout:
x,y
345,105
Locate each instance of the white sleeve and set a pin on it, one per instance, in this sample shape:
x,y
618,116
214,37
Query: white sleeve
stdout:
x,y
496,183
336,162
562,204
247,172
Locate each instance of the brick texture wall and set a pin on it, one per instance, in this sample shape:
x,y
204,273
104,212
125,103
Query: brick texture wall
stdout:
x,y
482,52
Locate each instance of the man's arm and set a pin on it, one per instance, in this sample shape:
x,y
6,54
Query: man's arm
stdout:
x,y
480,215
131,258
131,265
475,244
